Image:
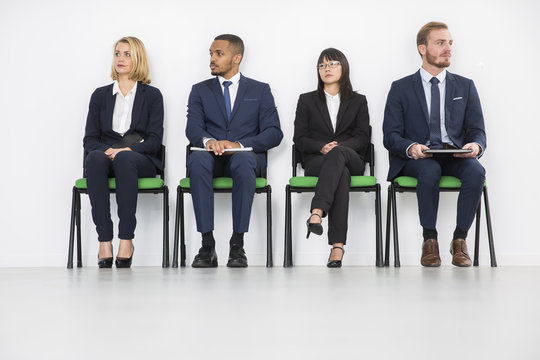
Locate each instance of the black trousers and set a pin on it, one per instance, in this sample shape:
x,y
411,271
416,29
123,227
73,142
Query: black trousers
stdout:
x,y
332,192
127,167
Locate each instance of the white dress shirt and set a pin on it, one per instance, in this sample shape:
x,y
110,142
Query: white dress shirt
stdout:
x,y
426,82
332,102
233,90
123,108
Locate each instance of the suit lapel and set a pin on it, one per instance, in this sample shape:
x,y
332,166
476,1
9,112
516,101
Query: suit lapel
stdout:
x,y
218,93
342,109
110,100
419,90
140,96
242,88
325,115
448,98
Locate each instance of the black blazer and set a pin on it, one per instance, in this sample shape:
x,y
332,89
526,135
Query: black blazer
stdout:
x,y
313,127
146,119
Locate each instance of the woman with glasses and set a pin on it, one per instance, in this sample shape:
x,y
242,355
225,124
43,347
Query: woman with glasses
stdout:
x,y
124,132
331,131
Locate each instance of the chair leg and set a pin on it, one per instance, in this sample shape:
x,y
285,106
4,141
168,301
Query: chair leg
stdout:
x,y
397,263
182,232
78,227
477,234
388,218
378,228
72,229
490,230
165,261
269,250
287,256
176,229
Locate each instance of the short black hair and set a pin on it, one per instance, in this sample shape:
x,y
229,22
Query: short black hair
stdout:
x,y
236,43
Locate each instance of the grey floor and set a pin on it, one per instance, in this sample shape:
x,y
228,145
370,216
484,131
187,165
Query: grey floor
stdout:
x,y
260,313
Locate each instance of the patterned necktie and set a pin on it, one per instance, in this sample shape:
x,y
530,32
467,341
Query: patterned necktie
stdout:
x,y
435,140
227,96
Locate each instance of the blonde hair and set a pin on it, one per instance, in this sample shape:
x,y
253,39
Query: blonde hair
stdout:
x,y
140,71
423,33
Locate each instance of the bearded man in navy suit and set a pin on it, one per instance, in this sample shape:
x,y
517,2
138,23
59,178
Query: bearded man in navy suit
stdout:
x,y
229,111
435,109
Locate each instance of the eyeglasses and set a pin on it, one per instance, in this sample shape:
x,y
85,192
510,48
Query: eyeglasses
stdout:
x,y
331,65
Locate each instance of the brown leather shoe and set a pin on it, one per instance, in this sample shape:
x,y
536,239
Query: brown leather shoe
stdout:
x,y
430,253
460,255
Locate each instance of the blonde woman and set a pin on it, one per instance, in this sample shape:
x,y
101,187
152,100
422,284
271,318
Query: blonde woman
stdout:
x,y
124,132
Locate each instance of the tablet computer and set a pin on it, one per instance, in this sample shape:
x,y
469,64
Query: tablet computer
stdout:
x,y
193,148
447,151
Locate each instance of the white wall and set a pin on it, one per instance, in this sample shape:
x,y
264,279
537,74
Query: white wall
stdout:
x,y
55,53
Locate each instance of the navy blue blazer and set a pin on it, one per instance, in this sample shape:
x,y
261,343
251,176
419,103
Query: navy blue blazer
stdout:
x,y
313,128
146,119
254,118
406,118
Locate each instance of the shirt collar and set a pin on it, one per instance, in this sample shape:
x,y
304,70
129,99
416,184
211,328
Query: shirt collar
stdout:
x,y
332,97
235,79
427,76
116,88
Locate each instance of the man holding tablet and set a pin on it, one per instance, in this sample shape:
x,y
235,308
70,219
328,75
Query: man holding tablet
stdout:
x,y
433,126
228,112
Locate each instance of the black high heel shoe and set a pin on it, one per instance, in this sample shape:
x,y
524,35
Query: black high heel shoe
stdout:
x,y
124,262
315,228
105,263
335,263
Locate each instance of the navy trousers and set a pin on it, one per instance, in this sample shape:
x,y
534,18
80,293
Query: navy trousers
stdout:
x,y
332,192
127,167
429,171
242,167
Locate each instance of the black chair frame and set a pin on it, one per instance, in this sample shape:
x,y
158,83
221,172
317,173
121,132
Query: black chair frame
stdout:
x,y
296,159
75,225
179,227
391,215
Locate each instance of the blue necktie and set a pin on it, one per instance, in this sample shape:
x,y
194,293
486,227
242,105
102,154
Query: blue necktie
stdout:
x,y
227,96
435,140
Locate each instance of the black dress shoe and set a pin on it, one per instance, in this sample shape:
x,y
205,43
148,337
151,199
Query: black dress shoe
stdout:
x,y
315,228
105,263
124,262
237,257
206,258
335,263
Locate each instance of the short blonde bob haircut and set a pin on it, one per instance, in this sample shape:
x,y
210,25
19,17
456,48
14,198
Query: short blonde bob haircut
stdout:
x,y
140,71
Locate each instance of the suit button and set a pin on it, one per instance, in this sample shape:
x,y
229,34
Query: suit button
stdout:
x,y
228,131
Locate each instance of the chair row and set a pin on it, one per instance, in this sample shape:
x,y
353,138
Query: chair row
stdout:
x,y
297,184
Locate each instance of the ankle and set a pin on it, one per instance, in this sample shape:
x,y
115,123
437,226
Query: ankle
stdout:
x,y
105,249
125,248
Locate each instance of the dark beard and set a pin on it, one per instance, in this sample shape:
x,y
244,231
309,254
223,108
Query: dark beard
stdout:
x,y
431,60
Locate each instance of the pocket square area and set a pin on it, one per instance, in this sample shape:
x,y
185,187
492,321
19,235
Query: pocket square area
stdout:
x,y
458,98
245,99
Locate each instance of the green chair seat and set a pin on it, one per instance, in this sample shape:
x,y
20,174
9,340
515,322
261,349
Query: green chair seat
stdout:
x,y
447,182
223,183
311,181
144,183
150,186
